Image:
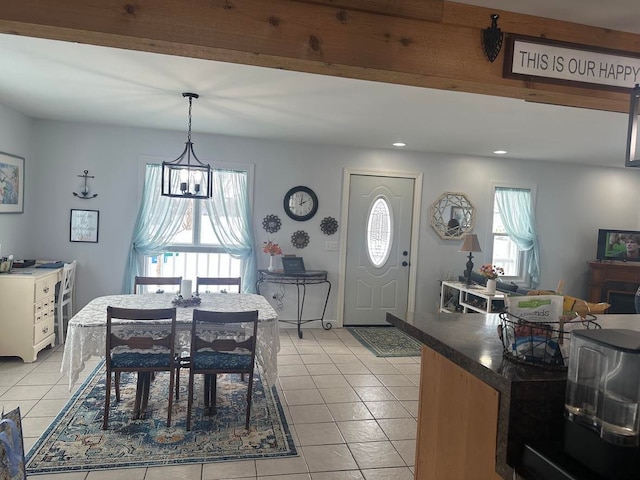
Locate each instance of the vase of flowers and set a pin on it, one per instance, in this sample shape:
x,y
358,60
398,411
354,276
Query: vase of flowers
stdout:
x,y
272,249
491,272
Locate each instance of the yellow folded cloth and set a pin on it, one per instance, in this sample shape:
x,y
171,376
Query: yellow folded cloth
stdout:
x,y
573,304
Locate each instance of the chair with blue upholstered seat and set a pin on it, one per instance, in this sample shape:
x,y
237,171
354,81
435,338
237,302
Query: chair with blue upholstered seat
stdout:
x,y
218,345
140,341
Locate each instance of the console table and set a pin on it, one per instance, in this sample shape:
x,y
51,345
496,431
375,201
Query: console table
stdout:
x,y
460,298
300,280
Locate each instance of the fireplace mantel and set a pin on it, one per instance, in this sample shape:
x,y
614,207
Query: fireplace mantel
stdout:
x,y
609,277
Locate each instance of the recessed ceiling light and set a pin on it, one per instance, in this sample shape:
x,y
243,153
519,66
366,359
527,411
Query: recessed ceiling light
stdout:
x,y
399,144
500,152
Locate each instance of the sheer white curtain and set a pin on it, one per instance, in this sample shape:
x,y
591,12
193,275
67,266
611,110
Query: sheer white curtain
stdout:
x,y
160,218
230,215
515,206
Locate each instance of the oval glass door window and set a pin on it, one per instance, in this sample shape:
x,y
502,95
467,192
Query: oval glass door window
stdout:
x,y
379,230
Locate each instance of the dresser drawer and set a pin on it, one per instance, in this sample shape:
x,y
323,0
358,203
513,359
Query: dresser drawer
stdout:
x,y
43,309
43,329
49,303
45,287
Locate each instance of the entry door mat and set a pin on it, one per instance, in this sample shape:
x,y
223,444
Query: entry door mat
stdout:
x,y
387,341
75,440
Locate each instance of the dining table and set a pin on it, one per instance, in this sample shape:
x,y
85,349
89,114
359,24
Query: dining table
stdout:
x,y
86,331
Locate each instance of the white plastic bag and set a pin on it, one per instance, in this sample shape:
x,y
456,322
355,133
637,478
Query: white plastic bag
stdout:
x,y
534,335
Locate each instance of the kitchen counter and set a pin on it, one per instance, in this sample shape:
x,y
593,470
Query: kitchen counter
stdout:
x,y
531,399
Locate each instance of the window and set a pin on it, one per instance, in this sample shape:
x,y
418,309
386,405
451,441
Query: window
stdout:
x,y
505,251
514,237
191,238
194,250
379,228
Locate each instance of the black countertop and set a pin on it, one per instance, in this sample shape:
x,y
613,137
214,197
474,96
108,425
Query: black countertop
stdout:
x,y
531,398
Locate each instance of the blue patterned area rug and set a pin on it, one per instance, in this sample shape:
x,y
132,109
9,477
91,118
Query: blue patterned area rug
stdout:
x,y
75,440
386,341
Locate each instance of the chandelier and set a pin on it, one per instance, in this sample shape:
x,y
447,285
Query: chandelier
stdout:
x,y
184,177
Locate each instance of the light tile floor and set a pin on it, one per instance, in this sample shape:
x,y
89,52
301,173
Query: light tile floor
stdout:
x,y
352,415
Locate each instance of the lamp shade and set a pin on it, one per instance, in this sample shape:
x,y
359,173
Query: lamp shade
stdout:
x,y
632,154
471,243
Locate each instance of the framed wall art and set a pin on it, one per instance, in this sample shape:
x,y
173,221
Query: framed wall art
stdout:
x,y
11,183
293,264
84,226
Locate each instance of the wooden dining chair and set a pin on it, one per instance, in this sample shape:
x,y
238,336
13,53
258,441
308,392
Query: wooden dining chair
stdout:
x,y
140,281
144,355
220,282
216,348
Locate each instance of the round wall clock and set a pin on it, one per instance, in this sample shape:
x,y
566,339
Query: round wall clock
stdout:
x,y
300,239
271,223
300,203
329,225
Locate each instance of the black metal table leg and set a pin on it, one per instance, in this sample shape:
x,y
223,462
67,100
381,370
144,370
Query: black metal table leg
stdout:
x,y
300,280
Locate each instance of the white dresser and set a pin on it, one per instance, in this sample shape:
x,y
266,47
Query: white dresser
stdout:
x,y
27,311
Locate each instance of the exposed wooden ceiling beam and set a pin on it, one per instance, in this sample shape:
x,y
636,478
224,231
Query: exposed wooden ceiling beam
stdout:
x,y
416,9
426,43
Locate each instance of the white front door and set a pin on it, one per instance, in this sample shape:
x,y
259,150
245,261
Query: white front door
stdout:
x,y
378,248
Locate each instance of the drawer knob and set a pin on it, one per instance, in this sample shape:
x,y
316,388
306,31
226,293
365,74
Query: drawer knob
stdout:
x,y
45,330
46,289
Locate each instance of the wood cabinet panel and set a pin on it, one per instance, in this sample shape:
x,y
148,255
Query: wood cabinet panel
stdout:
x,y
457,423
603,273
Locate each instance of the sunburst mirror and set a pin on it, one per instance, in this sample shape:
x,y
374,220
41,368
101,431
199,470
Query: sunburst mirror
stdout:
x,y
452,215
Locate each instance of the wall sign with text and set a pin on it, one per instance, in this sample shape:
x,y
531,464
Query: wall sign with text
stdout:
x,y
84,226
561,62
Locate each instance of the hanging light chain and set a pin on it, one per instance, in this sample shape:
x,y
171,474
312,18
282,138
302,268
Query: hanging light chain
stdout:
x,y
181,178
189,134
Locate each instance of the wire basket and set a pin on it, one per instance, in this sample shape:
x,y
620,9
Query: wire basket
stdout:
x,y
543,344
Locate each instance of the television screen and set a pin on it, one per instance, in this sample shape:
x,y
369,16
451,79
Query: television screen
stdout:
x,y
622,245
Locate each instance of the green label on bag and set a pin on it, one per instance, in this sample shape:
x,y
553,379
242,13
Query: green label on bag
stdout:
x,y
533,303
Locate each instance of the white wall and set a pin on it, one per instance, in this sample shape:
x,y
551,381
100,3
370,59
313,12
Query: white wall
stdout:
x,y
572,202
15,139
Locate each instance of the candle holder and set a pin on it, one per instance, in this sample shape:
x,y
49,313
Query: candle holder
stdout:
x,y
470,244
179,301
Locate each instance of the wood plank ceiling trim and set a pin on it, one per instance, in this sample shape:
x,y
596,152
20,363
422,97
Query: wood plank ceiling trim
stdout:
x,y
429,43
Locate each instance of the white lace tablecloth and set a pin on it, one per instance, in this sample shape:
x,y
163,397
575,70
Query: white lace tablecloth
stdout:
x,y
87,329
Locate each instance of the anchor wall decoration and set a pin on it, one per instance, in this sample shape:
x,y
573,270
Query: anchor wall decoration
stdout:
x,y
84,190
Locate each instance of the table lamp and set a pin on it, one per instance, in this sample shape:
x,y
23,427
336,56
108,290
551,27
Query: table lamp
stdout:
x,y
470,245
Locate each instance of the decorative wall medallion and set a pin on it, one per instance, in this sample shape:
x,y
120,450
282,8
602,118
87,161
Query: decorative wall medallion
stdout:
x,y
329,225
271,223
300,239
